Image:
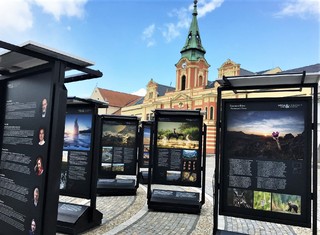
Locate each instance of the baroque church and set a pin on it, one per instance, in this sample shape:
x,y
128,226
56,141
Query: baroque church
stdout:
x,y
193,90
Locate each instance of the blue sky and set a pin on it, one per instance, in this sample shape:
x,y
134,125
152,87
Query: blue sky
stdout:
x,y
132,41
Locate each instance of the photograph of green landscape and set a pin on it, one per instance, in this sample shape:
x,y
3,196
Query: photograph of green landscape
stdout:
x,y
262,200
286,203
183,135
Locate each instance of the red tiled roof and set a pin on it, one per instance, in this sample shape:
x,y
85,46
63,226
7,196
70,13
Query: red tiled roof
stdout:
x,y
118,99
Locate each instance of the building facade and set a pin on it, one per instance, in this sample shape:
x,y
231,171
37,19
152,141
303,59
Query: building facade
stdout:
x,y
116,100
192,90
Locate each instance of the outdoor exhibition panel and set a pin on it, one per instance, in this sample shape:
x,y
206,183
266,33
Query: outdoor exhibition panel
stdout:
x,y
145,150
178,158
266,159
25,159
265,146
32,108
119,157
80,157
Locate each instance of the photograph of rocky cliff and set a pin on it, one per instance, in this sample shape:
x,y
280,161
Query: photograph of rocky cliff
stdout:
x,y
266,135
118,135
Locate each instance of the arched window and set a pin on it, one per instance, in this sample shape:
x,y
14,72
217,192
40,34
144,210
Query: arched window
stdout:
x,y
183,83
211,113
200,81
206,115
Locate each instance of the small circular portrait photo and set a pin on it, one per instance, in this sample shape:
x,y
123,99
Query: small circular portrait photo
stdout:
x,y
33,227
44,105
36,195
38,168
41,136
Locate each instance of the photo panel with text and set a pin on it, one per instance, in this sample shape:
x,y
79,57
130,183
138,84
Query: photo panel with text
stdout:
x,y
118,146
177,153
266,152
76,172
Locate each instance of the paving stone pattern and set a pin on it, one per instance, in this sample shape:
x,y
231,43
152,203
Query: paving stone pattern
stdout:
x,y
129,215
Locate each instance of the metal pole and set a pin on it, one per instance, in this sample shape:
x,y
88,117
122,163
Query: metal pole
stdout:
x,y
216,171
204,156
315,160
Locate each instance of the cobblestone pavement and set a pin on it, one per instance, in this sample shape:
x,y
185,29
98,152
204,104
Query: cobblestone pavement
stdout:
x,y
124,215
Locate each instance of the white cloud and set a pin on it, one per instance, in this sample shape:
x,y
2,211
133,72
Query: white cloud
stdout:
x,y
58,8
183,15
18,15
301,8
171,32
140,92
207,6
15,15
148,32
147,35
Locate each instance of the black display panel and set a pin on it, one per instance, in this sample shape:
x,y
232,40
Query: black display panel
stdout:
x,y
177,152
266,152
26,104
77,155
146,141
118,146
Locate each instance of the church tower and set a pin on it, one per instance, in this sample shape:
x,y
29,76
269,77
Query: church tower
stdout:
x,y
192,68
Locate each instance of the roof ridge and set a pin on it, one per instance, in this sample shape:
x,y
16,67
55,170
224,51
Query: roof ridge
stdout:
x,y
166,85
119,92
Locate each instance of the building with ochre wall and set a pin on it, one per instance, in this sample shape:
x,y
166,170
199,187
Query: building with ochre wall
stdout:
x,y
192,90
192,87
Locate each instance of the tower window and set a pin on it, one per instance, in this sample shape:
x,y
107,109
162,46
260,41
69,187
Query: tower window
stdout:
x,y
211,113
183,83
200,81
